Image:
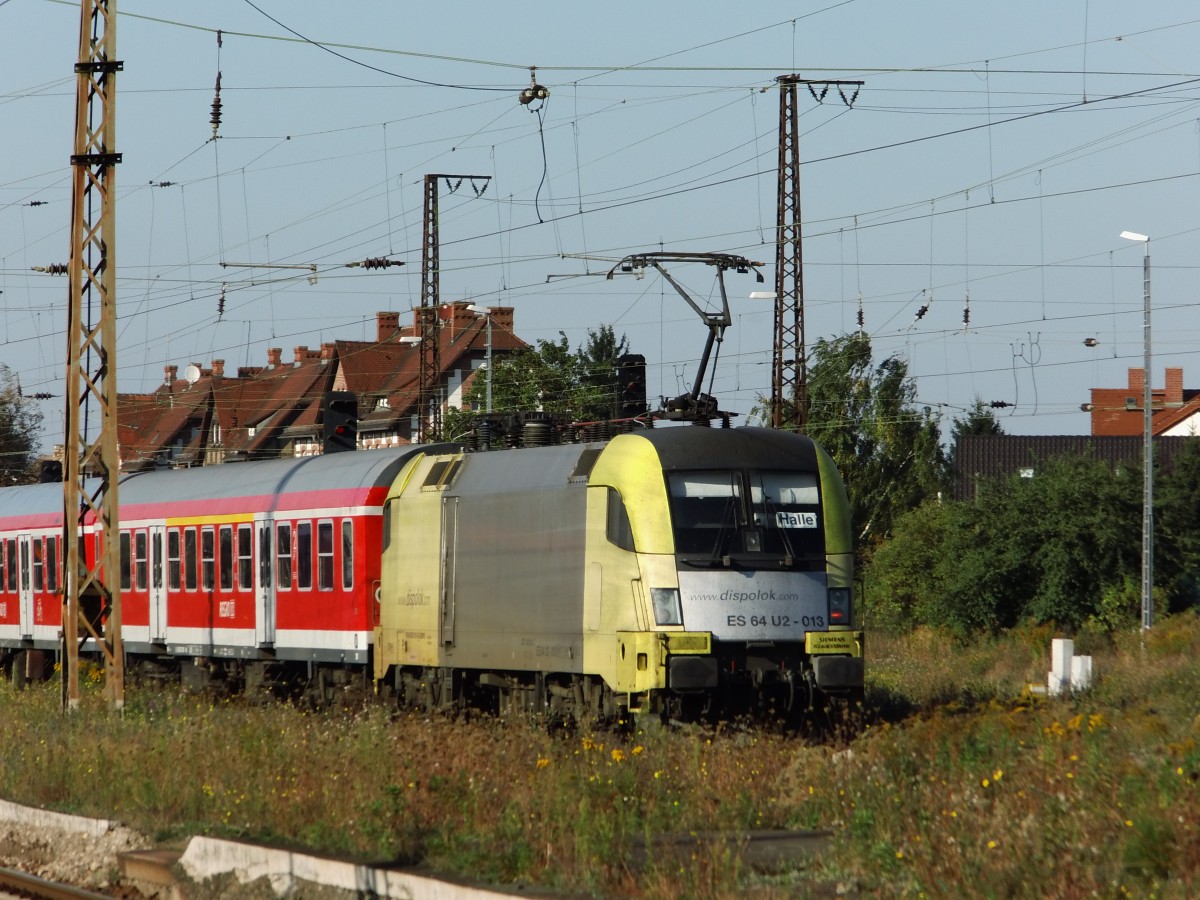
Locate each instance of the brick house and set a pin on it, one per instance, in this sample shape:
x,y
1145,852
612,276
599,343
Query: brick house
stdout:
x,y
274,410
1175,412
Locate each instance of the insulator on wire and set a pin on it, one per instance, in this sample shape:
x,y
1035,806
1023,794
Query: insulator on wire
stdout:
x,y
1090,342
535,91
42,395
52,269
967,310
37,202
375,262
215,118
221,303
162,184
921,313
999,404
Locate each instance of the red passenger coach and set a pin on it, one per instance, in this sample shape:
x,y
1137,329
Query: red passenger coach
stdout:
x,y
30,566
273,560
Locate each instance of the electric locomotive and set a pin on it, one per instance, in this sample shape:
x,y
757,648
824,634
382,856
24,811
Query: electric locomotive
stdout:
x,y
675,572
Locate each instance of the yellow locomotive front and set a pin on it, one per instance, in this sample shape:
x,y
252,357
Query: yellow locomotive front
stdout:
x,y
744,552
676,571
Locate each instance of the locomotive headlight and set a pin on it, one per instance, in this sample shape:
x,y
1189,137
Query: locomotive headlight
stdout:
x,y
839,606
667,610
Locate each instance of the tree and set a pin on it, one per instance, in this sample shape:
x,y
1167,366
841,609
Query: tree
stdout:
x,y
597,362
579,385
20,426
1176,533
889,452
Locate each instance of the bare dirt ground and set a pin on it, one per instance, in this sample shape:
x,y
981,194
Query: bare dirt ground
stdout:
x,y
77,859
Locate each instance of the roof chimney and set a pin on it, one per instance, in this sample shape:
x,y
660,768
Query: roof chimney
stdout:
x,y
1137,382
386,325
172,373
326,352
1174,386
299,353
218,368
274,356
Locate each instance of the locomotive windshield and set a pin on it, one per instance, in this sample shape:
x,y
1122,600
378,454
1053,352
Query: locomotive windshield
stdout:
x,y
755,518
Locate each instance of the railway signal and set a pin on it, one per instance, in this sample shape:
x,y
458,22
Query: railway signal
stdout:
x,y
339,422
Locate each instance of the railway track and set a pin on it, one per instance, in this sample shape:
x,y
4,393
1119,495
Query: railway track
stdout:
x,y
17,884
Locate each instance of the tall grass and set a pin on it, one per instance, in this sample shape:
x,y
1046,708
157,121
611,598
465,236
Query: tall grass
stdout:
x,y
959,783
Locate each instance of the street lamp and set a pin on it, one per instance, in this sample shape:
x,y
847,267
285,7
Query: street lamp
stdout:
x,y
486,313
1147,446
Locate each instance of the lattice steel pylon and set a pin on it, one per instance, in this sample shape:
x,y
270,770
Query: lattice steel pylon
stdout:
x,y
429,408
789,369
92,591
789,376
429,403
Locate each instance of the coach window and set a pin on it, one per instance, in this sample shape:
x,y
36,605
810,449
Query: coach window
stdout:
x,y
189,558
140,557
264,555
126,562
245,553
227,557
325,556
347,554
10,563
283,556
208,558
304,548
173,559
24,566
52,564
38,564
3,566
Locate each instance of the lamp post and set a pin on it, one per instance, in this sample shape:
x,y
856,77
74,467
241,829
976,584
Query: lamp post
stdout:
x,y
1147,446
487,314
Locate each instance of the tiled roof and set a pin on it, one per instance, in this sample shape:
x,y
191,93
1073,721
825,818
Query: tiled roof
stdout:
x,y
265,408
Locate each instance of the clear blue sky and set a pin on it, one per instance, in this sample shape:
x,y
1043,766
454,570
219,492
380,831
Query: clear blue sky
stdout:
x,y
995,151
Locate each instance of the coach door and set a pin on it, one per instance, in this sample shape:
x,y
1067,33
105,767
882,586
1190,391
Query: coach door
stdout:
x,y
24,554
158,584
264,592
449,541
